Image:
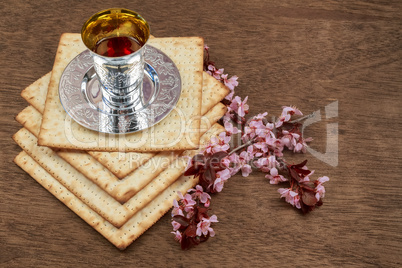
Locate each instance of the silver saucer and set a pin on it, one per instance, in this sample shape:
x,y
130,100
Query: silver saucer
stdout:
x,y
81,96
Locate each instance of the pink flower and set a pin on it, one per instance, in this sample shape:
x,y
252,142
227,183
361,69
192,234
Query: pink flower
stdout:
x,y
218,185
260,116
227,162
272,163
215,72
187,201
232,162
266,163
176,209
275,145
245,170
230,129
270,126
261,163
263,132
290,196
253,150
301,145
256,124
200,194
208,149
291,110
287,113
178,236
290,139
274,177
218,144
221,177
206,47
224,138
175,225
223,142
231,82
320,189
296,202
321,180
227,117
245,157
203,227
190,213
281,120
223,174
240,107
256,128
229,96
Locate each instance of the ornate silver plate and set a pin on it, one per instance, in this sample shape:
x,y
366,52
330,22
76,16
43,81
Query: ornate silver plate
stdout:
x,y
81,96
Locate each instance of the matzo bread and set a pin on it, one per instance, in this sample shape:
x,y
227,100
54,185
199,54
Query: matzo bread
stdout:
x,y
93,195
121,190
132,229
119,163
178,131
35,93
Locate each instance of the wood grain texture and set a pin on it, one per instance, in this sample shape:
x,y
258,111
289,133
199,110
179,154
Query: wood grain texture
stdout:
x,y
305,53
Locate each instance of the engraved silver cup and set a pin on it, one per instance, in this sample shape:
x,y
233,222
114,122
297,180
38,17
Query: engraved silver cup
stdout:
x,y
116,38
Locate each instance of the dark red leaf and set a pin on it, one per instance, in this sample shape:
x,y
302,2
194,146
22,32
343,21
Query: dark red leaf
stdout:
x,y
199,158
188,242
202,213
293,174
203,182
182,220
226,102
195,240
204,238
185,242
191,230
220,155
309,199
210,175
191,171
216,160
302,171
305,209
307,186
302,164
197,163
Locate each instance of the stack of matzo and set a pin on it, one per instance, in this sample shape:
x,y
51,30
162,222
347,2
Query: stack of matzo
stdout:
x,y
119,190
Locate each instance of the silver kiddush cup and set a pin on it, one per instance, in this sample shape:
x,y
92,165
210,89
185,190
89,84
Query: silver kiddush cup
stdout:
x,y
116,38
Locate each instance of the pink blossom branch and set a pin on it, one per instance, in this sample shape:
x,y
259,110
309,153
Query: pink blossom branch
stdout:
x,y
302,118
242,146
263,145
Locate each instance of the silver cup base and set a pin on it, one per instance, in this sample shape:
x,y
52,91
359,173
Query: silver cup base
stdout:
x,y
81,96
92,91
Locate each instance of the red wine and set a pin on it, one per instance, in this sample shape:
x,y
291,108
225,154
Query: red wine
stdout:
x,y
117,46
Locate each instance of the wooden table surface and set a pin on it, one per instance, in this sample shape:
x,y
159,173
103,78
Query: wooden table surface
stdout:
x,y
306,53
